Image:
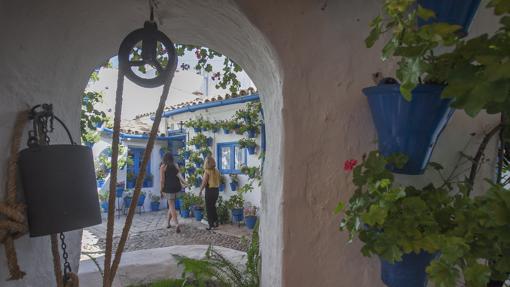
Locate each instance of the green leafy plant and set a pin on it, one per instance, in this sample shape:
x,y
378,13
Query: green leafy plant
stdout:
x,y
90,115
252,172
155,197
128,193
474,70
392,220
100,174
216,270
200,140
103,196
248,187
223,211
250,210
187,201
236,201
246,143
234,178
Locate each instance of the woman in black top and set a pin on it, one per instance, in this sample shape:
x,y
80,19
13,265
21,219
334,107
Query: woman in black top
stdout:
x,y
171,183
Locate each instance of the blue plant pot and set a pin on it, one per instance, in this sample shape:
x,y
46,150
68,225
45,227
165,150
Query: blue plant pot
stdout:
x,y
237,214
141,200
100,183
119,191
197,130
410,128
205,154
408,272
186,154
226,131
197,146
89,144
199,164
161,152
209,141
233,186
130,184
104,206
252,134
154,206
178,203
199,214
127,202
457,12
250,221
184,213
191,170
251,149
222,187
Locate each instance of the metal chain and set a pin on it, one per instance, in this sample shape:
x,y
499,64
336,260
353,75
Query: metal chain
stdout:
x,y
42,125
67,265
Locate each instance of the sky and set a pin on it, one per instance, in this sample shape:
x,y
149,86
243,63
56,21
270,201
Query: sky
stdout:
x,y
139,100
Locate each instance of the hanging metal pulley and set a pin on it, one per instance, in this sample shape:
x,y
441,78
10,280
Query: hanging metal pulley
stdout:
x,y
149,39
58,180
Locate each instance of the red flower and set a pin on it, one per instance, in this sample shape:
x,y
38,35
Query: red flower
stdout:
x,y
197,53
350,164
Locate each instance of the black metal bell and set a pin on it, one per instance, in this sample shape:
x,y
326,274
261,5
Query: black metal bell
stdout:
x,y
59,183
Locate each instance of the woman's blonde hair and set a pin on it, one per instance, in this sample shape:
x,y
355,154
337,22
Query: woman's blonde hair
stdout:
x,y
210,163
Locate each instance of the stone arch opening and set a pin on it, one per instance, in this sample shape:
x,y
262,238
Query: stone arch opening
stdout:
x,y
57,71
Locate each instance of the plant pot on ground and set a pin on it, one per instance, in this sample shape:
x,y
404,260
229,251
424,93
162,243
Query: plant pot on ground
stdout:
x,y
250,216
155,202
223,181
236,205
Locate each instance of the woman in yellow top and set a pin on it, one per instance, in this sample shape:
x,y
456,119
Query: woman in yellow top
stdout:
x,y
211,184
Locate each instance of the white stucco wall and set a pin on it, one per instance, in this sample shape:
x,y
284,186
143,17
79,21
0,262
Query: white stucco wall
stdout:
x,y
308,60
216,114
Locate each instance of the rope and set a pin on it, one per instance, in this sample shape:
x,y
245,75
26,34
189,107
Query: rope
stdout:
x,y
111,270
113,179
13,225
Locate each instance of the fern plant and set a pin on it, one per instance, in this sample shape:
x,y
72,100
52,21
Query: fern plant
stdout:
x,y
216,270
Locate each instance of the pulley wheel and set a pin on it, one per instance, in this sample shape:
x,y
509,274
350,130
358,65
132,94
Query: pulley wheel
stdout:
x,y
148,36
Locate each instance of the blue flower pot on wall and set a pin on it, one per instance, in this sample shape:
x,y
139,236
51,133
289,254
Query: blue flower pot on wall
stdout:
x,y
100,183
408,272
457,12
251,149
197,130
222,187
198,181
154,206
209,141
233,186
130,184
250,221
226,131
252,133
410,128
186,154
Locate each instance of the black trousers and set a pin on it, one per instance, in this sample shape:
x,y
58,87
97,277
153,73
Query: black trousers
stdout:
x,y
211,196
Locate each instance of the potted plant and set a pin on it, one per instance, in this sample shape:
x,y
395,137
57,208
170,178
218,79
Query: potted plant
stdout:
x,y
249,144
215,127
100,176
103,198
119,190
455,13
198,181
198,208
130,179
185,205
141,199
252,172
223,181
190,168
155,202
200,140
250,216
434,232
234,181
236,204
128,196
223,211
410,116
205,152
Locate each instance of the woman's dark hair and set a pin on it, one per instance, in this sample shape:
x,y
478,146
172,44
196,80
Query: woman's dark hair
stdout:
x,y
168,159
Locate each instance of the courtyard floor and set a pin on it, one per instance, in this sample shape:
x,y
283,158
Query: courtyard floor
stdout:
x,y
149,231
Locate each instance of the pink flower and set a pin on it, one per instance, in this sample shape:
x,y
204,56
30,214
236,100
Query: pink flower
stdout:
x,y
350,164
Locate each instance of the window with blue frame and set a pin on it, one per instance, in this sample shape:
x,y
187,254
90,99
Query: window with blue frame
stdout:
x,y
133,169
230,157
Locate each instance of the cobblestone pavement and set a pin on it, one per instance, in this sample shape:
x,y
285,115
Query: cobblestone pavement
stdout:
x,y
149,231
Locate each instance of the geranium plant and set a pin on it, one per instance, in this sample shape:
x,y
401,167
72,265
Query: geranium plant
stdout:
x,y
466,234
